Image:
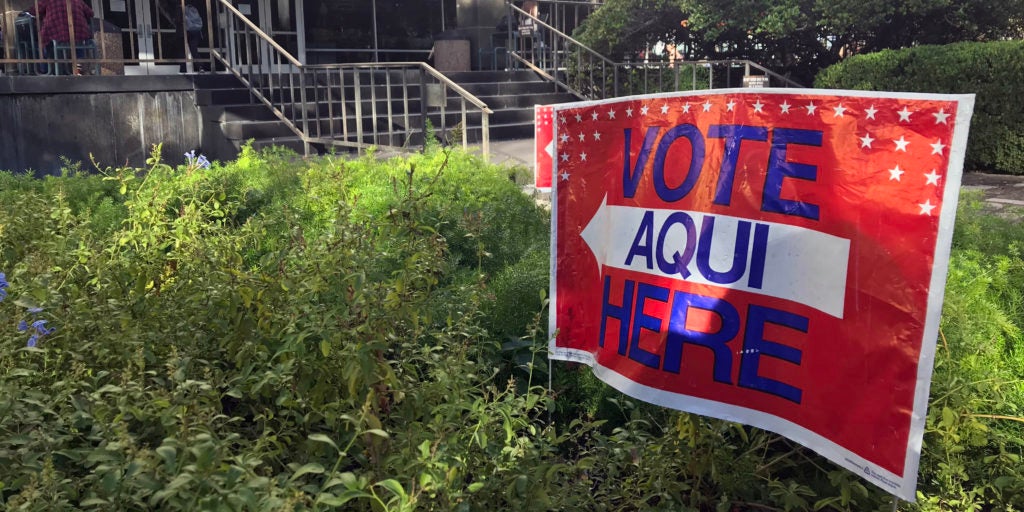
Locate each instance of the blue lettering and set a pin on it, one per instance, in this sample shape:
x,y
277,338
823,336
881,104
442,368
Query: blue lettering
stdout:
x,y
733,135
679,262
739,252
643,321
690,132
757,256
631,180
755,346
620,313
678,334
779,169
646,232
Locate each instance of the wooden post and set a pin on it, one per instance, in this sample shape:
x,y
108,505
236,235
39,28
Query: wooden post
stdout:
x,y
72,38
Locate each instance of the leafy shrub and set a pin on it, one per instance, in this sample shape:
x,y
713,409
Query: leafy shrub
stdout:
x,y
992,71
283,334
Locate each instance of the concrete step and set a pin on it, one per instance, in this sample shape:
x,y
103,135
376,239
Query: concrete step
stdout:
x,y
244,130
468,77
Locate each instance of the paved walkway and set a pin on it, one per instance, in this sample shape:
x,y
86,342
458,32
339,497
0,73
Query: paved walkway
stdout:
x,y
513,152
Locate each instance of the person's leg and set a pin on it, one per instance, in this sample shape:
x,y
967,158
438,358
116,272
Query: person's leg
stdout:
x,y
193,49
47,68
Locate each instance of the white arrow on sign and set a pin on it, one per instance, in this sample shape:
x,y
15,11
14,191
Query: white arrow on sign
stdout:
x,y
779,260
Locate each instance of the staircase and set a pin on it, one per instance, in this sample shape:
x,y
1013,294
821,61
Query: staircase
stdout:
x,y
512,96
230,116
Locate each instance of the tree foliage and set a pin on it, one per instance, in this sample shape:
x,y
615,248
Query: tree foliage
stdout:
x,y
796,36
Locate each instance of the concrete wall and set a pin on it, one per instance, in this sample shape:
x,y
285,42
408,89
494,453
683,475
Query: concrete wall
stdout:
x,y
117,119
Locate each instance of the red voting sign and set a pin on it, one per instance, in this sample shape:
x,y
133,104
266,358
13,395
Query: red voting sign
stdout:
x,y
771,257
543,146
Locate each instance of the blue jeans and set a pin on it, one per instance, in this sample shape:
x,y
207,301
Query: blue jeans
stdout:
x,y
64,67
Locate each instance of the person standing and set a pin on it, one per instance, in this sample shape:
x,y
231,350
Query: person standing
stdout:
x,y
54,27
188,31
193,33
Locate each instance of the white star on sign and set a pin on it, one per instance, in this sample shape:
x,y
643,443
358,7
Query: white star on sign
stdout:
x,y
561,118
565,176
758,106
940,116
707,106
583,157
565,137
932,177
664,109
593,115
686,108
611,114
597,136
811,108
643,110
904,114
629,112
582,137
579,118
565,157
729,106
927,207
901,144
866,140
839,110
895,173
871,111
785,107
937,147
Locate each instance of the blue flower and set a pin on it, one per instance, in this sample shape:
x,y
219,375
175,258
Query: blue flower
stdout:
x,y
202,162
32,340
40,327
3,286
22,326
190,156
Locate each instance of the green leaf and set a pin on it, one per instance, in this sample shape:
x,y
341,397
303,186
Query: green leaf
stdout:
x,y
377,432
476,486
948,417
396,488
170,456
311,467
331,500
321,438
325,348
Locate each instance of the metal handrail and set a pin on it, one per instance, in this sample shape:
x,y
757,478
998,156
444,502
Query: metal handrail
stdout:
x,y
314,101
580,50
582,71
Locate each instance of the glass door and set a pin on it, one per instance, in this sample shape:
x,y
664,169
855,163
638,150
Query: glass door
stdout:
x,y
148,33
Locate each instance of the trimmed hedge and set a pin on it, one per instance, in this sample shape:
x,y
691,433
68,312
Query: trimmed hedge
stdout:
x,y
993,71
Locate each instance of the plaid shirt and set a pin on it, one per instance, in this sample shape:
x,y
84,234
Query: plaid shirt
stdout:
x,y
54,17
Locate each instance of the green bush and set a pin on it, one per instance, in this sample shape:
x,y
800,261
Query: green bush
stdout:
x,y
277,333
993,71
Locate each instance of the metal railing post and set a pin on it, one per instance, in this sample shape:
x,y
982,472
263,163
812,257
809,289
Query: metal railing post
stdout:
x,y
359,106
615,79
465,126
344,106
423,106
305,115
485,135
508,45
373,105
